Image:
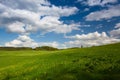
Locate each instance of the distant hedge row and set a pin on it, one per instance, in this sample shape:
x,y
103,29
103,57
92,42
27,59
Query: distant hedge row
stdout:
x,y
47,48
15,48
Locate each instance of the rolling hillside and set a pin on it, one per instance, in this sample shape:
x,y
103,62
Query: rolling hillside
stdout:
x,y
95,63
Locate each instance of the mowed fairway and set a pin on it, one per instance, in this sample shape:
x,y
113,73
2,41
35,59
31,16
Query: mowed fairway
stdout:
x,y
95,63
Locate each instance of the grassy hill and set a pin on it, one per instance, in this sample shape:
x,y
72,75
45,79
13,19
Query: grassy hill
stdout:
x,y
95,63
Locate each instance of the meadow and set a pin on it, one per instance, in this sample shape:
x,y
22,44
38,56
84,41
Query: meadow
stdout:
x,y
93,63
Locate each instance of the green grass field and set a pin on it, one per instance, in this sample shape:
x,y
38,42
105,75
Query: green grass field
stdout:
x,y
95,63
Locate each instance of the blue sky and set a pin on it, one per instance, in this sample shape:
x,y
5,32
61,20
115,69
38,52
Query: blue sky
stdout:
x,y
59,23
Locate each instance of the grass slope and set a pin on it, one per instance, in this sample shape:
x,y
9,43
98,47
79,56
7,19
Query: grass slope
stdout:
x,y
95,63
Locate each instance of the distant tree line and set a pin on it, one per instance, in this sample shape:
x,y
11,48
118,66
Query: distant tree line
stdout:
x,y
15,48
47,48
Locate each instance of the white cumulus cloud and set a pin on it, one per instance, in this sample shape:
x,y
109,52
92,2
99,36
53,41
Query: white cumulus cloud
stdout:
x,y
111,12
97,2
22,41
34,15
16,27
117,25
90,39
26,41
116,32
